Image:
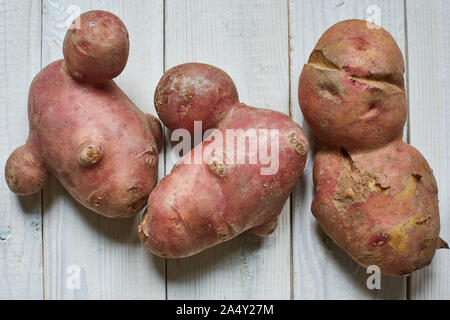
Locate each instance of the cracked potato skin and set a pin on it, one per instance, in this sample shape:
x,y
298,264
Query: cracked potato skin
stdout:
x,y
95,141
376,196
381,207
350,97
199,205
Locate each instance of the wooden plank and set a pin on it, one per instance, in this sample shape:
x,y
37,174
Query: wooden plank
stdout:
x,y
87,256
249,40
20,217
320,269
429,98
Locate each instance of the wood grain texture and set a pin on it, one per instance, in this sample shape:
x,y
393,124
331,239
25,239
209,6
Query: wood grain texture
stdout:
x,y
87,256
20,217
249,40
429,100
320,269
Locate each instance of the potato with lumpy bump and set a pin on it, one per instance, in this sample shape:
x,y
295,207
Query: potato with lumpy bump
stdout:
x,y
376,196
201,204
84,129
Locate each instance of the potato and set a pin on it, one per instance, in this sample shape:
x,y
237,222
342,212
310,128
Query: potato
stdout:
x,y
376,196
96,47
350,96
201,204
91,137
380,206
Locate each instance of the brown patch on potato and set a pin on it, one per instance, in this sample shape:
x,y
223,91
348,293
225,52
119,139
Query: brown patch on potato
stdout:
x,y
324,123
150,162
422,219
296,144
133,189
90,155
96,200
425,166
142,228
427,245
217,167
354,185
399,234
381,239
223,234
399,237
175,222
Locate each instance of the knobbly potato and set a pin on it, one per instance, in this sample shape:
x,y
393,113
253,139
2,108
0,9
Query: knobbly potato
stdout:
x,y
95,141
376,196
201,204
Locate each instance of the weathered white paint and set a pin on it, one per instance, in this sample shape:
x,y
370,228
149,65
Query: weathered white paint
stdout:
x,y
20,217
429,100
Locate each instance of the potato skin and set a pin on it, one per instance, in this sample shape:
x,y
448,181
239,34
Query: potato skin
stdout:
x,y
376,196
25,162
65,115
199,205
381,207
349,95
95,141
194,92
96,47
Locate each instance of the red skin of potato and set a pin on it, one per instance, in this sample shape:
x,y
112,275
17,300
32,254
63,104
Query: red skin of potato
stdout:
x,y
350,96
376,196
199,205
381,207
96,47
95,141
206,95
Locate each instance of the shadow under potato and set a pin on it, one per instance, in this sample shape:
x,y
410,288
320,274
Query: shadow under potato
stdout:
x,y
391,287
117,230
29,204
207,262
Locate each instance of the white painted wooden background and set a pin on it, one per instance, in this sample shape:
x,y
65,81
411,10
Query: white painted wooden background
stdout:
x,y
47,238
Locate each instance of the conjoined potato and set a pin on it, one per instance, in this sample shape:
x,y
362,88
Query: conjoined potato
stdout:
x,y
376,196
203,203
84,129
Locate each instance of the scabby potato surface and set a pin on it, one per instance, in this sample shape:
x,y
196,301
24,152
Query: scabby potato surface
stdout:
x,y
376,196
201,204
84,129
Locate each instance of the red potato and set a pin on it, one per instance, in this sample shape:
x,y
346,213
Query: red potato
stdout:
x,y
376,196
95,141
381,206
350,96
96,47
199,205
